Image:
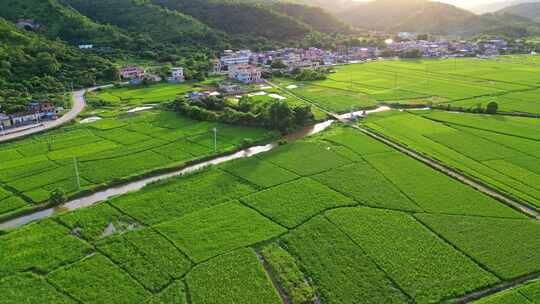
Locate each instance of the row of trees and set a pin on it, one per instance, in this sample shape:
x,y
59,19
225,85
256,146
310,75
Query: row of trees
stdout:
x,y
274,115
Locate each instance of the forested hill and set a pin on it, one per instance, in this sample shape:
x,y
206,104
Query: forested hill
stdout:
x,y
32,66
527,10
158,23
239,18
316,17
59,21
432,17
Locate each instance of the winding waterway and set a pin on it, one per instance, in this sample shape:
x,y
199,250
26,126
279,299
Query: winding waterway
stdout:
x,y
137,185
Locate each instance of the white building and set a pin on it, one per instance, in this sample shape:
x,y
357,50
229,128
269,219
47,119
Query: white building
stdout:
x,y
176,75
235,58
245,73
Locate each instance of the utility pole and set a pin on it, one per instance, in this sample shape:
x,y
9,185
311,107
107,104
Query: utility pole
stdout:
x,y
77,173
215,139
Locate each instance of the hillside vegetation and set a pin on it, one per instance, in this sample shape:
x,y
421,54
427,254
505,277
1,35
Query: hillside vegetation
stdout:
x,y
59,21
316,17
527,10
241,19
32,66
142,17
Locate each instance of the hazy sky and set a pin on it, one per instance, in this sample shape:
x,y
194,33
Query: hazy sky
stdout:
x,y
463,3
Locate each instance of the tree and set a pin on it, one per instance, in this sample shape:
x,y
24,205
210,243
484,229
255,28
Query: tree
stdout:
x,y
492,108
278,64
58,196
280,116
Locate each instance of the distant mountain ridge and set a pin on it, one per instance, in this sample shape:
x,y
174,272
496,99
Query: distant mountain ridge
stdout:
x,y
498,5
425,16
526,10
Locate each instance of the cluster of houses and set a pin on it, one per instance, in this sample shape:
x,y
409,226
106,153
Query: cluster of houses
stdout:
x,y
136,75
446,48
35,113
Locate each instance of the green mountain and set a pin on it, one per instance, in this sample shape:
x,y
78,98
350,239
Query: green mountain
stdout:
x,y
32,66
241,19
425,16
160,24
59,21
526,10
316,17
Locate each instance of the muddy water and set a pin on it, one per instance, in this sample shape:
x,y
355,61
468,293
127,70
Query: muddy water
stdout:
x,y
137,185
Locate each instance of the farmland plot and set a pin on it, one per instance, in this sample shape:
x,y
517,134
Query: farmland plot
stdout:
x,y
260,173
443,273
367,186
342,272
29,288
507,247
97,222
175,293
479,146
191,239
134,145
236,277
150,264
435,192
183,195
305,158
460,82
97,280
293,203
210,232
42,246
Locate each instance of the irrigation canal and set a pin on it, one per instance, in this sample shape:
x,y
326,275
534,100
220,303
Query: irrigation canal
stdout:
x,y
137,185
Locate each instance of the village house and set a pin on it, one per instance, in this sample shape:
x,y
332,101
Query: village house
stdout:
x,y
132,73
231,58
176,75
35,112
5,121
245,73
229,88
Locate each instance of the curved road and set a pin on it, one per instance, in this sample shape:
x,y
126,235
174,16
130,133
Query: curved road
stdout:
x,y
79,104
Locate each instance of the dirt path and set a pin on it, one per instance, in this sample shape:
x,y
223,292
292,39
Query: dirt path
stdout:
x,y
79,103
454,174
496,289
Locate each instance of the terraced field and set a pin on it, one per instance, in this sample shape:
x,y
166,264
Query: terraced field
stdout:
x,y
337,217
83,157
457,82
500,151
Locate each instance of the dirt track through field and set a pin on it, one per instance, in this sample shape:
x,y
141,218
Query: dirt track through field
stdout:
x,y
454,174
514,203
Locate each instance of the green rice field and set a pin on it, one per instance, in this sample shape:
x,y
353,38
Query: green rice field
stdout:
x,y
463,83
500,151
83,157
334,218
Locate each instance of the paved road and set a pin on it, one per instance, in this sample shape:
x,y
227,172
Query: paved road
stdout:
x,y
79,104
